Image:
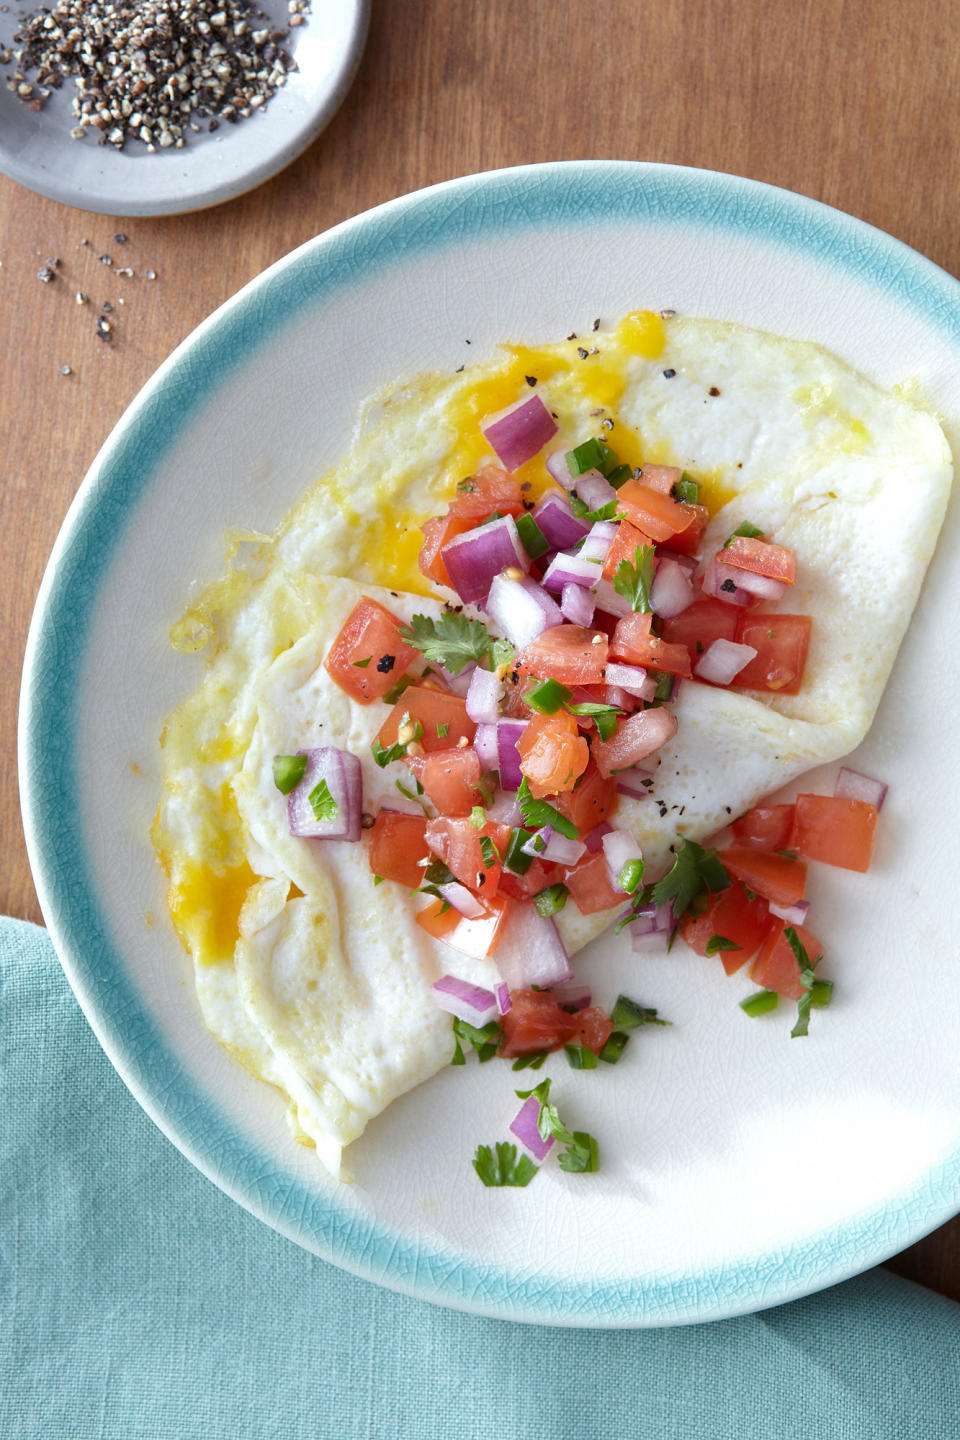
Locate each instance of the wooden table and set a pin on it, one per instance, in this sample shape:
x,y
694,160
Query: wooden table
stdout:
x,y
853,104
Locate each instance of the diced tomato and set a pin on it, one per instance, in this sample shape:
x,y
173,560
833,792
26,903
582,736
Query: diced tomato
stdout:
x,y
591,802
781,643
760,557
776,968
437,532
688,540
553,754
397,843
656,514
776,877
449,778
660,477
536,1022
566,653
457,843
472,937
368,656
594,1028
633,642
523,888
736,917
834,830
635,737
624,547
436,711
765,827
589,884
489,489
699,625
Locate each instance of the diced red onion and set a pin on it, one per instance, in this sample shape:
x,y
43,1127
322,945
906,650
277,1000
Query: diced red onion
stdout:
x,y
572,997
635,782
456,684
526,1126
485,744
722,661
521,609
556,463
530,951
652,920
546,844
672,590
571,570
560,526
483,697
501,992
686,562
851,785
792,914
598,542
594,489
508,757
610,602
576,604
715,576
632,678
463,900
760,585
616,695
468,1002
619,848
595,837
473,559
505,809
518,433
342,773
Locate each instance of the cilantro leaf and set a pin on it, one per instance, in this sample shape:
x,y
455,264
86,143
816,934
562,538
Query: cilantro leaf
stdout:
x,y
694,869
382,756
593,707
322,802
504,1167
633,582
746,529
720,942
452,640
537,813
808,970
489,852
530,1062
627,1014
581,1157
484,1039
581,509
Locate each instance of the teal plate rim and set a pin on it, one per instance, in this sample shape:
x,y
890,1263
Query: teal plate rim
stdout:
x,y
471,208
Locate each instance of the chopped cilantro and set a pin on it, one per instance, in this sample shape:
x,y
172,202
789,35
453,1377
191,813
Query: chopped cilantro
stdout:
x,y
489,852
288,771
537,813
627,1014
633,581
503,1166
606,725
362,664
581,509
580,1057
484,1040
686,489
452,640
581,1157
530,1062
750,531
807,980
720,942
395,691
383,757
694,869
516,858
593,707
322,802
443,728
413,795
377,880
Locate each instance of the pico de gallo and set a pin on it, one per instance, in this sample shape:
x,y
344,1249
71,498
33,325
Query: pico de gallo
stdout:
x,y
518,717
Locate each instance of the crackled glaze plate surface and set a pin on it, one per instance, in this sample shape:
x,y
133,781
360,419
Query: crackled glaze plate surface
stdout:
x,y
36,149
740,1169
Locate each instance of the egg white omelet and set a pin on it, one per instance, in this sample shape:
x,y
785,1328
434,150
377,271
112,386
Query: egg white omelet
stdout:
x,y
317,980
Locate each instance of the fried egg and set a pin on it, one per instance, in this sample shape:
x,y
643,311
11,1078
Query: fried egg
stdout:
x,y
317,980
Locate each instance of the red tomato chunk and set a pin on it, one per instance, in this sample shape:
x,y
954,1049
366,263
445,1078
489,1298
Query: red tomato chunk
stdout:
x,y
568,653
368,656
834,830
397,843
765,827
775,877
435,710
781,643
736,917
776,968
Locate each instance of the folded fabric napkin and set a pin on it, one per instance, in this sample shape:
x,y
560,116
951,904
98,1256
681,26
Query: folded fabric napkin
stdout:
x,y
141,1303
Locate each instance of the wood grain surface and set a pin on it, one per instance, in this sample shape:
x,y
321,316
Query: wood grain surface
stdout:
x,y
855,104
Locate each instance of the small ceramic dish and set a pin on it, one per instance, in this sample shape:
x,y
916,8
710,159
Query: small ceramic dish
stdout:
x,y
36,149
741,1169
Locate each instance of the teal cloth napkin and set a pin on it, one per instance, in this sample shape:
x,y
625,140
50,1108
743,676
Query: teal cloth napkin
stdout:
x,y
140,1304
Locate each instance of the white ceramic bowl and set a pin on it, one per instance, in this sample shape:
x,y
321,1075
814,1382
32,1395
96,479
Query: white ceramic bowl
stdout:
x,y
740,1169
36,149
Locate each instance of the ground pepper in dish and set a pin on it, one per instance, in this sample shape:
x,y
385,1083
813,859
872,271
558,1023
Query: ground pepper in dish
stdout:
x,y
152,71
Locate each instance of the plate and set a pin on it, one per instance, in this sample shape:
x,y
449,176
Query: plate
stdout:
x,y
741,1169
36,149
